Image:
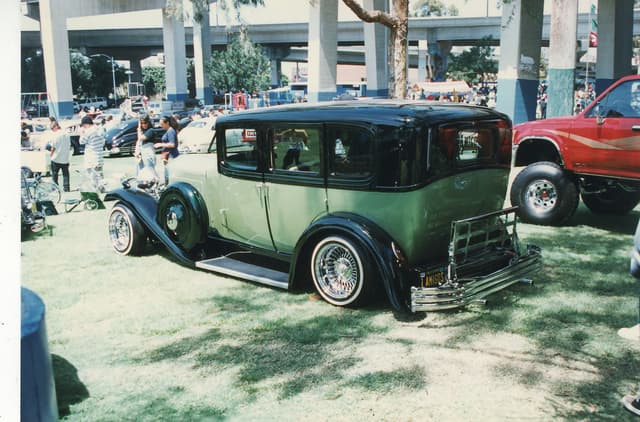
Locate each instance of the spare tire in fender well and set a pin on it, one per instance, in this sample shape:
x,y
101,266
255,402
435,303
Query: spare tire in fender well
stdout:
x,y
196,218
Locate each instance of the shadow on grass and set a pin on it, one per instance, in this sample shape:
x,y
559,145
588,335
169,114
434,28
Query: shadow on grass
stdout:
x,y
162,406
622,224
410,378
571,315
292,354
69,388
304,352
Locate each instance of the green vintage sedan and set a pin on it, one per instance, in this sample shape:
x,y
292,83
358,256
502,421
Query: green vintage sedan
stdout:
x,y
350,198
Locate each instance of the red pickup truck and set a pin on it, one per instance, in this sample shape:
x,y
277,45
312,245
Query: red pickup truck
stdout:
x,y
594,155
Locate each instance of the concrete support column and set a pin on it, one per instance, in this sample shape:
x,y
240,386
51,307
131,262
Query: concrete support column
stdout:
x,y
376,41
276,71
444,48
136,68
520,40
423,55
437,54
174,56
562,57
201,56
615,36
55,51
323,54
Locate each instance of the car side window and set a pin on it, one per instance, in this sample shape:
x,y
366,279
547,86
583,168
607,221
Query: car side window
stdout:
x,y
622,101
351,151
296,149
241,149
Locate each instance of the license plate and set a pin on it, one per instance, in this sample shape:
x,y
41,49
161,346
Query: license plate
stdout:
x,y
433,278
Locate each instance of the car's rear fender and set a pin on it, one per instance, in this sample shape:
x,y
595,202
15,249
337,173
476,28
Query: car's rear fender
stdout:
x,y
376,242
535,149
145,207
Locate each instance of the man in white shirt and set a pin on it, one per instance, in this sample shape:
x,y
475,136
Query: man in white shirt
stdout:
x,y
60,151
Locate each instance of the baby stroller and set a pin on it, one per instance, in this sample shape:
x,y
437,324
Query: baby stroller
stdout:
x,y
90,190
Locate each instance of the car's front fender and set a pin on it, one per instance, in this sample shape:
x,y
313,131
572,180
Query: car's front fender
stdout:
x,y
145,207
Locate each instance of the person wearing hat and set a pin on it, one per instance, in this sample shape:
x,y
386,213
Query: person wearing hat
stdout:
x,y
92,138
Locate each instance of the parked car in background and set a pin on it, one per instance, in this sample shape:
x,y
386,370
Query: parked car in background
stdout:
x,y
97,103
197,136
352,197
121,140
594,155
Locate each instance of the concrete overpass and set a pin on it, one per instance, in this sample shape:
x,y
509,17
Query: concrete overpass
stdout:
x,y
522,26
458,31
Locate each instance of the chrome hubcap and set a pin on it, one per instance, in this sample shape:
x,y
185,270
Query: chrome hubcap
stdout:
x,y
119,231
337,270
175,214
542,195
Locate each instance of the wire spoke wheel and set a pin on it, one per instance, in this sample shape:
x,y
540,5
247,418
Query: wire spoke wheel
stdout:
x,y
48,191
337,270
126,234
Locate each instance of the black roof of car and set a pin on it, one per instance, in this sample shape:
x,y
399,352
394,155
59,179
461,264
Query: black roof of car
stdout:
x,y
388,112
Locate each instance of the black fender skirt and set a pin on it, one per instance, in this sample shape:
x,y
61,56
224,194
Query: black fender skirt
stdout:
x,y
376,241
145,207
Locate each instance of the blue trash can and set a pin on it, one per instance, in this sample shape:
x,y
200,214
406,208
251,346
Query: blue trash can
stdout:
x,y
37,388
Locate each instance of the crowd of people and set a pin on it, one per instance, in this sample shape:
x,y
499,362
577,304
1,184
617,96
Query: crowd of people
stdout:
x,y
92,129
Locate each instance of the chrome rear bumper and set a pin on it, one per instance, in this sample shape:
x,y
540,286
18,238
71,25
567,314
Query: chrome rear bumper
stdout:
x,y
465,280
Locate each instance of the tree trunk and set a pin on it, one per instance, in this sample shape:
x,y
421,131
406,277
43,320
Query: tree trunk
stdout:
x,y
399,38
398,24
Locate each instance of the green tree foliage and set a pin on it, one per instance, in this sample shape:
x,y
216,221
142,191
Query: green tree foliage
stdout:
x,y
81,73
242,66
101,82
32,73
153,78
474,65
424,8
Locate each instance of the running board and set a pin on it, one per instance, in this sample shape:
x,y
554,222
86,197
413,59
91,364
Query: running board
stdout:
x,y
246,271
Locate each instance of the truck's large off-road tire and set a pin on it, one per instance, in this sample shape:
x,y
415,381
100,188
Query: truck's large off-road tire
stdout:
x,y
614,200
127,235
341,271
544,194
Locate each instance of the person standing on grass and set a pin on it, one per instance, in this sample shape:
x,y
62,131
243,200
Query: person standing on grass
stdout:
x,y
631,402
169,143
60,152
145,152
93,139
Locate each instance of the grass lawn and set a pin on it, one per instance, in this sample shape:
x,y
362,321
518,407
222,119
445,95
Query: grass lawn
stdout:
x,y
145,339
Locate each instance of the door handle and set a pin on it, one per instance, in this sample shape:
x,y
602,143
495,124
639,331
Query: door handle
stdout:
x,y
635,128
260,195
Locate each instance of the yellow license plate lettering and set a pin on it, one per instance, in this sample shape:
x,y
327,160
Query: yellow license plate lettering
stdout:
x,y
433,279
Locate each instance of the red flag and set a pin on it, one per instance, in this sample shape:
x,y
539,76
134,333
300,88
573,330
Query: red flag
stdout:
x,y
593,39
